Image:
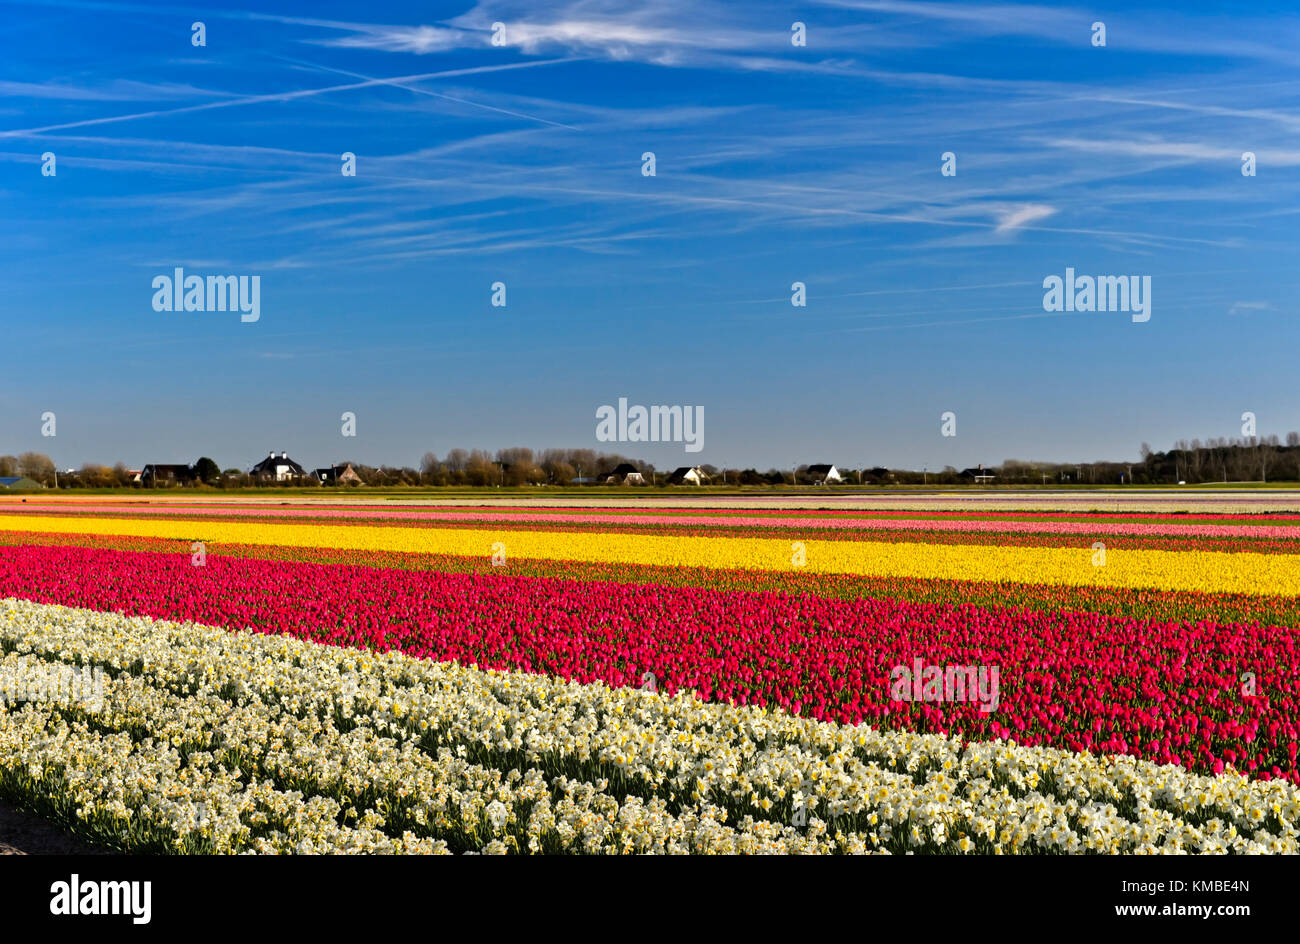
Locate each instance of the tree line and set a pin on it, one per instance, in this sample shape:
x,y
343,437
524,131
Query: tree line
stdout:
x,y
1195,462
1251,459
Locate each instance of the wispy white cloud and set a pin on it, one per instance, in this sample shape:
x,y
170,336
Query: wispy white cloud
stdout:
x,y
1241,308
420,40
1181,150
1013,218
114,90
671,34
1127,29
986,18
1287,119
734,168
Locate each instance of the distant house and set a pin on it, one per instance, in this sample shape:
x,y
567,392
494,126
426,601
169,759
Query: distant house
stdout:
x,y
278,468
157,473
824,474
625,474
687,475
979,475
133,475
16,482
337,475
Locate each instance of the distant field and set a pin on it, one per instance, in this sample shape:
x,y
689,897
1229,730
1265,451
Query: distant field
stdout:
x,y
1220,499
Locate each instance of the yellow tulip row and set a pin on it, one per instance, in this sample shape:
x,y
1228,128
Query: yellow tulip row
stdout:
x,y
1205,571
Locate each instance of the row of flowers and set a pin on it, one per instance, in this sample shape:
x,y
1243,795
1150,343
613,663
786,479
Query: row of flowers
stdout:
x,y
209,740
1246,505
1209,571
1282,527
1204,695
1113,601
1282,540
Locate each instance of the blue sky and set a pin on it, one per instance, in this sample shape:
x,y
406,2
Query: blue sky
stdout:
x,y
522,164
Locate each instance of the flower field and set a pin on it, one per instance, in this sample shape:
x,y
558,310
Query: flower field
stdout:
x,y
1208,571
217,741
349,677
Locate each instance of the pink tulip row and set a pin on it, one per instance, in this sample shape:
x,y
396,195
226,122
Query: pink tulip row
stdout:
x,y
614,513
1200,694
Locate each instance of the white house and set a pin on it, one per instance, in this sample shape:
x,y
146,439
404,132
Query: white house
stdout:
x,y
687,475
280,468
625,474
824,474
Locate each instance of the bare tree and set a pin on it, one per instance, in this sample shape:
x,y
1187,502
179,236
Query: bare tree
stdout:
x,y
480,469
36,466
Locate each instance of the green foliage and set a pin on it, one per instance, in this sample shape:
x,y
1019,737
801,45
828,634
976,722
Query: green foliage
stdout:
x,y
207,471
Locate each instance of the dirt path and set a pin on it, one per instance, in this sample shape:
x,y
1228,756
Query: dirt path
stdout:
x,y
25,834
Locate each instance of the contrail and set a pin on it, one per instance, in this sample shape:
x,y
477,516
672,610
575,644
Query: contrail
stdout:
x,y
280,96
397,83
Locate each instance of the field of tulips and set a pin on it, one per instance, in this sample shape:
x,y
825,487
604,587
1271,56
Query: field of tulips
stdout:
x,y
1159,646
208,740
1208,571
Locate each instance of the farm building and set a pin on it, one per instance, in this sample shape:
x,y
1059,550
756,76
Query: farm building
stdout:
x,y
625,474
337,475
18,482
979,475
823,474
687,475
158,473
